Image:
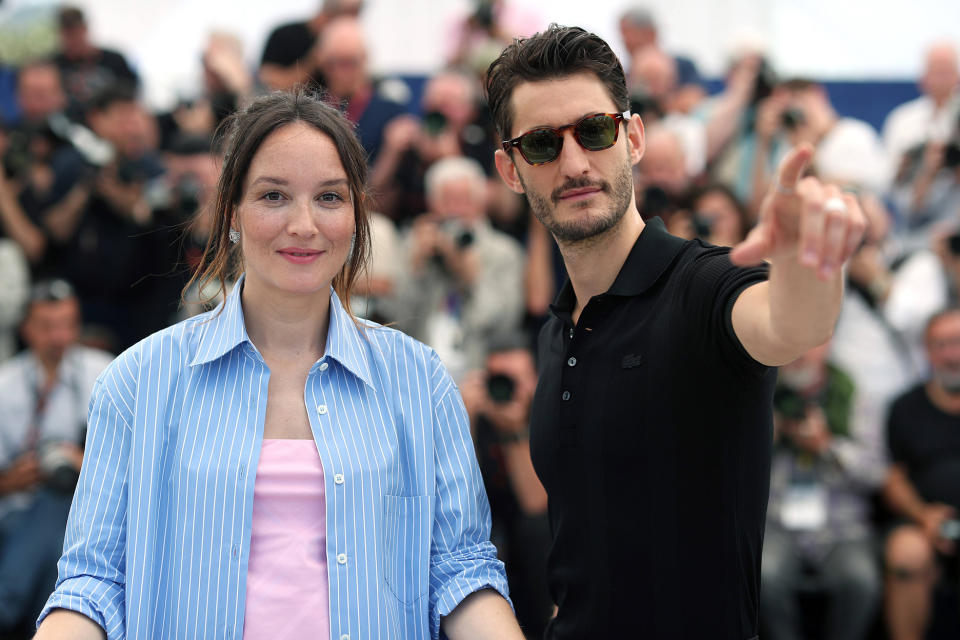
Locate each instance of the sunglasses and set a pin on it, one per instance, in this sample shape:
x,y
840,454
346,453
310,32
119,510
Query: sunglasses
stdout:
x,y
594,132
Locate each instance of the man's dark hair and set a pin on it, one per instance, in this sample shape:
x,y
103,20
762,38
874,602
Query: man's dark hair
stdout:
x,y
118,92
70,16
555,53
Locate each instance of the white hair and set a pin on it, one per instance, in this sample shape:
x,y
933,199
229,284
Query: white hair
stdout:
x,y
454,168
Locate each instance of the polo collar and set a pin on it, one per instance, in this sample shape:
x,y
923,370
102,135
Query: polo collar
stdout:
x,y
224,330
647,261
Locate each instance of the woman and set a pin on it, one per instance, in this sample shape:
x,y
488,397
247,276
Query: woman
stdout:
x,y
204,510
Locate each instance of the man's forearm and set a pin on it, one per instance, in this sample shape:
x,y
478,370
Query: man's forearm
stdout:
x,y
803,308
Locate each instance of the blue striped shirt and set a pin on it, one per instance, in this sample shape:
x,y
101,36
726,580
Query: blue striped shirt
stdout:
x,y
158,538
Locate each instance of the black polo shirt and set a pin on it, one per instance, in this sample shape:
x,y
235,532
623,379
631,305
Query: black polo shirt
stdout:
x,y
651,431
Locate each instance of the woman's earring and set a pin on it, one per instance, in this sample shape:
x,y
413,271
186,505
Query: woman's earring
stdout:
x,y
234,236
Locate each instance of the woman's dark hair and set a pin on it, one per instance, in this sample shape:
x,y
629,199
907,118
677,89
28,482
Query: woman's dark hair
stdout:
x,y
240,137
555,53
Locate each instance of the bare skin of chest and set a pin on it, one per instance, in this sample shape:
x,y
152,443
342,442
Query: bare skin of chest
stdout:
x,y
286,410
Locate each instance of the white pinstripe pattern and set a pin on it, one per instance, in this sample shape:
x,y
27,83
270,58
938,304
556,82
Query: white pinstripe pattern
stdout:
x,y
158,537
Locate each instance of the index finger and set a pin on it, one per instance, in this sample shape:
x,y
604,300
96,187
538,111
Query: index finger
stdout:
x,y
791,168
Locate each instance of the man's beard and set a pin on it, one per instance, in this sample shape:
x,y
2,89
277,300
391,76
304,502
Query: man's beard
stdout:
x,y
583,228
948,379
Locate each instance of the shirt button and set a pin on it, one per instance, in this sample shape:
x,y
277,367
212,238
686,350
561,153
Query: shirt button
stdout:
x,y
572,361
571,333
565,395
338,478
321,409
341,558
323,366
241,473
345,636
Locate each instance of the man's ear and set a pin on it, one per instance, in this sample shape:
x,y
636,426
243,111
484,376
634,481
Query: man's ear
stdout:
x,y
508,170
635,138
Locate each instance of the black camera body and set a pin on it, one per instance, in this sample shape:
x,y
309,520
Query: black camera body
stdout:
x,y
501,388
56,466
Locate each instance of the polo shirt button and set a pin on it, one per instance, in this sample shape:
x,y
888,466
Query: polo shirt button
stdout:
x,y
572,361
571,333
341,558
321,409
323,366
338,478
565,396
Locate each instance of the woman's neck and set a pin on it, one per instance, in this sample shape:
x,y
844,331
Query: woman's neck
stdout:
x,y
288,326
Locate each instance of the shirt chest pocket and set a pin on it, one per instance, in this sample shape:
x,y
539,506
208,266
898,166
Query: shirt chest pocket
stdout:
x,y
407,530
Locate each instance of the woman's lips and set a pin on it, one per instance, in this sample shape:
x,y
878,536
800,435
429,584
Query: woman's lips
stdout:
x,y
299,256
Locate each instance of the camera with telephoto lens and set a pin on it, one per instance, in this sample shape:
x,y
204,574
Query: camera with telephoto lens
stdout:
x,y
792,118
501,388
462,238
55,459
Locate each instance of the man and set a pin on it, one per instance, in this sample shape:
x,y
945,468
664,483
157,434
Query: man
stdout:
x,y
931,117
462,280
923,484
651,426
285,62
44,394
341,58
87,69
826,466
498,400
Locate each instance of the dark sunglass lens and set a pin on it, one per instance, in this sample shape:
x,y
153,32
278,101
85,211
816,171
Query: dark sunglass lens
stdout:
x,y
540,146
597,132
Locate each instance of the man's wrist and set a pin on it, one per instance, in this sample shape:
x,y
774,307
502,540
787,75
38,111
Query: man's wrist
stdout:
x,y
513,437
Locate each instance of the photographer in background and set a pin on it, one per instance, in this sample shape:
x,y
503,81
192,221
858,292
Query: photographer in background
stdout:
x,y
923,485
102,210
461,279
819,532
498,400
44,393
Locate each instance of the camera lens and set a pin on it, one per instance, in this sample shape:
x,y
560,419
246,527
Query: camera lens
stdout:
x,y
501,388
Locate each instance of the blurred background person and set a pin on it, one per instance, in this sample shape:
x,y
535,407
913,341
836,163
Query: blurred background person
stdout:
x,y
286,58
15,276
498,399
923,486
930,117
452,122
819,535
86,68
101,210
44,393
462,280
341,58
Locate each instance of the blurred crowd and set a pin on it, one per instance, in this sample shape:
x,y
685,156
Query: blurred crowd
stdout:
x,y
103,216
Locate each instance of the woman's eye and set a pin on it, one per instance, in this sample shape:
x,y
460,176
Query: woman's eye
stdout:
x,y
272,196
331,196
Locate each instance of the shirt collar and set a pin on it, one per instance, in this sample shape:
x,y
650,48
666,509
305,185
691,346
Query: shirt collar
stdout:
x,y
224,330
649,258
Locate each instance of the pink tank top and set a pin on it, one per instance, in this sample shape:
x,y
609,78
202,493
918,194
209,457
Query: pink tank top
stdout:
x,y
287,588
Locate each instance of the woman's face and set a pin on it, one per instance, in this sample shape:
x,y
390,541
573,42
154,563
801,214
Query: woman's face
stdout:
x,y
296,215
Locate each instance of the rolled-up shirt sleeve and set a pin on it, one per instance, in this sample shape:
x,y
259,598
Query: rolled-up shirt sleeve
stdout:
x,y
462,558
91,570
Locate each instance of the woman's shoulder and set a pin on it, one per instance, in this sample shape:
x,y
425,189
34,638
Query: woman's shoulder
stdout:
x,y
168,349
402,357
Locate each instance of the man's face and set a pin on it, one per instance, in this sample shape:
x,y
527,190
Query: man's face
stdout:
x,y
39,92
50,328
459,199
582,193
943,350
